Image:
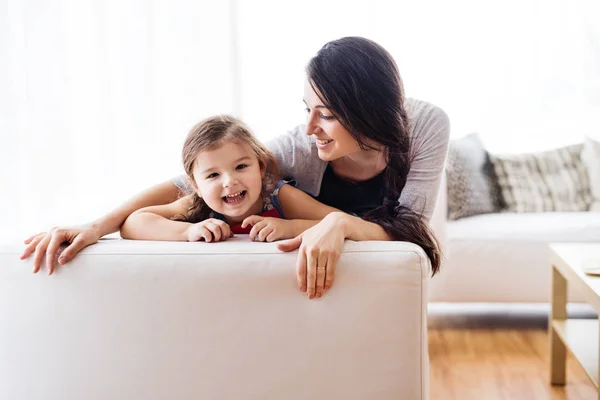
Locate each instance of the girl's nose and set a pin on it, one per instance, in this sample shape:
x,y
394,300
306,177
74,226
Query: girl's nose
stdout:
x,y
229,180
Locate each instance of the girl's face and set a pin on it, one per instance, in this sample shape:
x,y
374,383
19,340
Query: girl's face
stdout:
x,y
333,141
229,180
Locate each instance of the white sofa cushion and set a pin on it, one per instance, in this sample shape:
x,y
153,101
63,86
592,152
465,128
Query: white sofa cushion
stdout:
x,y
504,257
528,227
159,320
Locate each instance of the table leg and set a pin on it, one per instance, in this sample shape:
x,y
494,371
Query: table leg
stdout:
x,y
558,350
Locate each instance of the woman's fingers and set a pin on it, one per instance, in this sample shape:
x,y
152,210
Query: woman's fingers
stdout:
x,y
30,238
301,270
51,252
40,250
321,272
78,244
330,273
31,246
289,244
311,273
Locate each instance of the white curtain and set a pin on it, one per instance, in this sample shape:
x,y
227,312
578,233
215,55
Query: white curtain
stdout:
x,y
96,97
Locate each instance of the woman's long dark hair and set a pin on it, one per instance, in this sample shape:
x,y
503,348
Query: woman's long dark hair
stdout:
x,y
359,82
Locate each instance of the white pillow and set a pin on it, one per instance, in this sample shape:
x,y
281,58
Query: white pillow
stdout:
x,y
591,158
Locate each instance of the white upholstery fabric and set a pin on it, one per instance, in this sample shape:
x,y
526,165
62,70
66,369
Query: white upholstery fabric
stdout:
x,y
156,320
503,257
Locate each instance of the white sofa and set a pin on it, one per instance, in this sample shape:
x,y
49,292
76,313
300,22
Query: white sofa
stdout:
x,y
503,257
151,320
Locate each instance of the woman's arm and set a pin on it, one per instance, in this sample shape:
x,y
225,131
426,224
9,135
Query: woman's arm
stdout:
x,y
357,229
154,222
47,243
307,212
429,141
298,205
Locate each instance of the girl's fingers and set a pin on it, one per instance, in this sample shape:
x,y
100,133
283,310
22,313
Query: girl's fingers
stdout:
x,y
251,220
256,229
215,230
264,232
272,236
225,229
205,233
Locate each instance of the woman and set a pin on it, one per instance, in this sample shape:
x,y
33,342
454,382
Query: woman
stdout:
x,y
364,150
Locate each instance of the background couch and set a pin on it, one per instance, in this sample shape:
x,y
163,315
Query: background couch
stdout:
x,y
495,254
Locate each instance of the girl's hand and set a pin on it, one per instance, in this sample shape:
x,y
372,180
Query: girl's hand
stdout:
x,y
320,249
268,229
211,230
48,244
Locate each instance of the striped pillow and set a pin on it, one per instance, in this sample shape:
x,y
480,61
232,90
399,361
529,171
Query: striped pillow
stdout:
x,y
554,180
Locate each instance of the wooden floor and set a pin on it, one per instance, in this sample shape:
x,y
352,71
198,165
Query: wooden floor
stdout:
x,y
497,355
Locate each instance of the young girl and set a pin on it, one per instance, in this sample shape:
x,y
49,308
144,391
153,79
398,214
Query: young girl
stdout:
x,y
236,190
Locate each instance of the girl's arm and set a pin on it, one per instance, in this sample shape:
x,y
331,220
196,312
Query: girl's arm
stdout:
x,y
154,223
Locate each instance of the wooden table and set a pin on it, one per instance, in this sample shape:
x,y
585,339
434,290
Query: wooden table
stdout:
x,y
579,336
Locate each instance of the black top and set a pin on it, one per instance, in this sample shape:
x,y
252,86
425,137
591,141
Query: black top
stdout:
x,y
351,197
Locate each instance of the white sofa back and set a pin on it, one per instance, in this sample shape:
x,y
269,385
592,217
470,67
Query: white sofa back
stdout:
x,y
157,320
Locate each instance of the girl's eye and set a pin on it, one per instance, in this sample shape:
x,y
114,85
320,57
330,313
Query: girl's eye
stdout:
x,y
213,175
307,109
241,166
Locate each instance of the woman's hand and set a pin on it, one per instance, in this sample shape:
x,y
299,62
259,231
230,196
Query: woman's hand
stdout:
x,y
320,249
48,243
268,229
211,230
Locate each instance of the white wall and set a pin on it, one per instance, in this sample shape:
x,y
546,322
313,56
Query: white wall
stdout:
x,y
97,96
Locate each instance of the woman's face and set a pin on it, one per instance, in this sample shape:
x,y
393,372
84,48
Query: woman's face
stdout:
x,y
333,141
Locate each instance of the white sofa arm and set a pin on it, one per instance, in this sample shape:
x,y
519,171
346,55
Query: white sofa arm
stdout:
x,y
159,320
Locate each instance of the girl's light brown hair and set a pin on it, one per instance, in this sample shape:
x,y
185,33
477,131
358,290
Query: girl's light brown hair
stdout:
x,y
211,134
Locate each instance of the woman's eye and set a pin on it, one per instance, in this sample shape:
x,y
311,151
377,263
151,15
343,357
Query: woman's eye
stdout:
x,y
327,117
241,166
213,175
307,110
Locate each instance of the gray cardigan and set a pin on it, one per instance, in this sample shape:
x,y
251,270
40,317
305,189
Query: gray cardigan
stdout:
x,y
430,132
